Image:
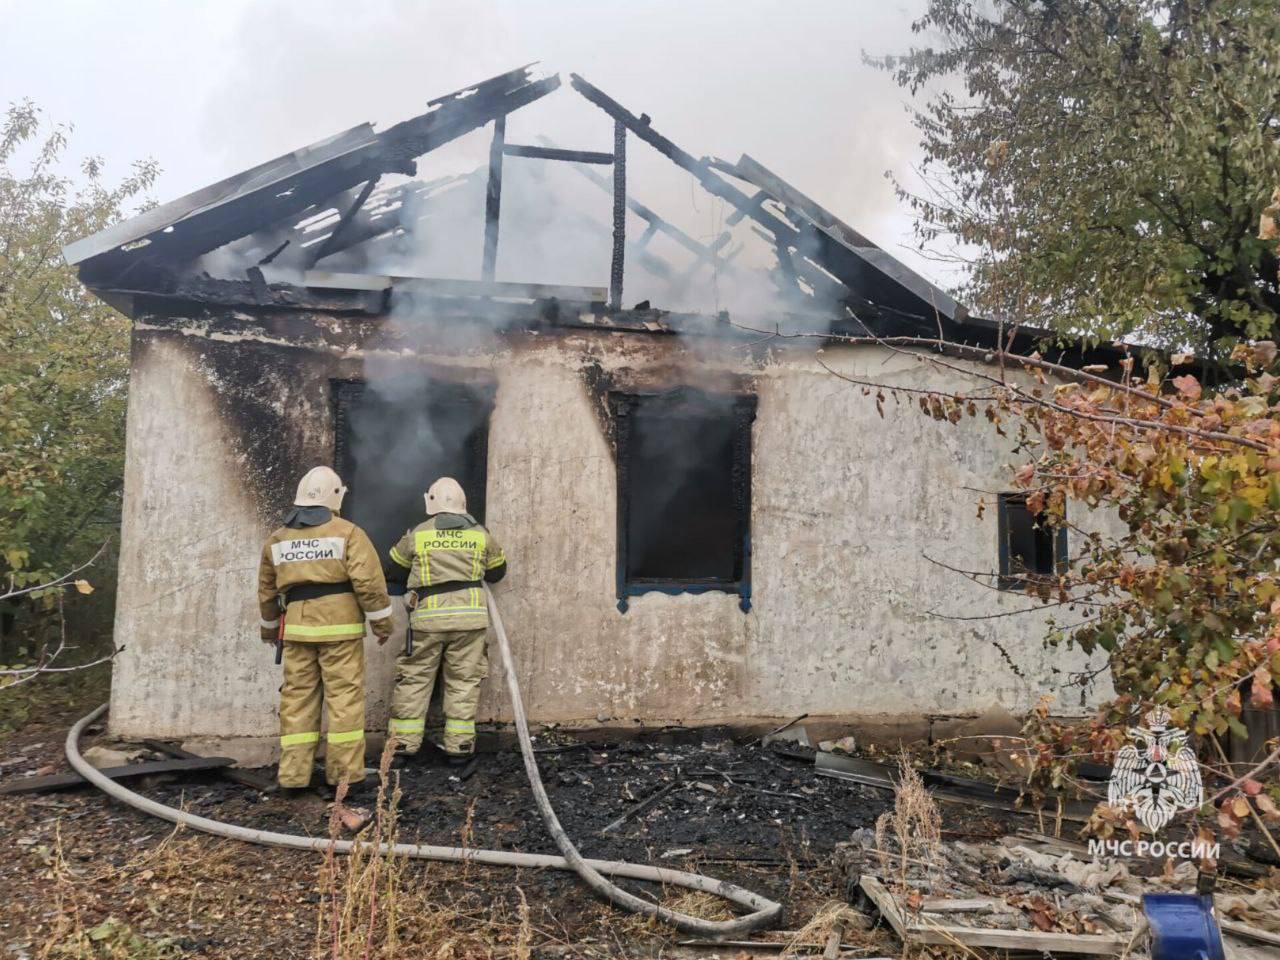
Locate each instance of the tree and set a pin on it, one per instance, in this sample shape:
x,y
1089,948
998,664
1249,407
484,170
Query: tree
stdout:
x,y
63,366
1105,162
1184,597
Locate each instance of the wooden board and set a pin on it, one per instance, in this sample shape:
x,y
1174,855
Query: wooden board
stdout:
x,y
910,932
257,781
65,781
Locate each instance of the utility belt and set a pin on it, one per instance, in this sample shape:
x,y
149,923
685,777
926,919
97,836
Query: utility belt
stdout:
x,y
314,591
415,595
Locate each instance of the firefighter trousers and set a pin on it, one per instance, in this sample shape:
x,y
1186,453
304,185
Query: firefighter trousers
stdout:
x,y
462,657
329,675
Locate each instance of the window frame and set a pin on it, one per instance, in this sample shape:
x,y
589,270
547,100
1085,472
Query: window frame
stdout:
x,y
1013,580
344,392
623,406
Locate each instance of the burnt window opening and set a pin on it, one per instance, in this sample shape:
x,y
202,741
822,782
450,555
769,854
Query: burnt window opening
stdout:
x,y
684,493
1029,544
393,439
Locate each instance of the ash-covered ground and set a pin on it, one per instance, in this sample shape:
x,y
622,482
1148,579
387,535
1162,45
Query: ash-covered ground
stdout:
x,y
730,801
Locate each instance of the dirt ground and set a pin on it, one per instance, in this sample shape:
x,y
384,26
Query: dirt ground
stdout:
x,y
85,877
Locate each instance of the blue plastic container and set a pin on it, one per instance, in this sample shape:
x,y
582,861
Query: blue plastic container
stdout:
x,y
1183,927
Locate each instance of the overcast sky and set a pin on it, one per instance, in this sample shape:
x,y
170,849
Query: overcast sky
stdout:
x,y
209,88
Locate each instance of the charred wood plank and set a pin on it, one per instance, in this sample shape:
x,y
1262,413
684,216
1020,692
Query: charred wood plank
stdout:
x,y
247,777
399,208
869,271
657,221
330,243
258,286
449,287
165,285
737,215
245,204
619,215
769,182
67,781
711,182
556,153
643,806
493,199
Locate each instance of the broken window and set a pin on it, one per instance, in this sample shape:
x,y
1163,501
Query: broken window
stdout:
x,y
684,492
1029,544
393,438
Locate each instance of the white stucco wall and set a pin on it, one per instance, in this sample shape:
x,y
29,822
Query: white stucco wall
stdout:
x,y
845,508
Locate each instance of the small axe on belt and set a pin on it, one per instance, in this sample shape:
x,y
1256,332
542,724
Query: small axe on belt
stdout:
x,y
282,604
411,604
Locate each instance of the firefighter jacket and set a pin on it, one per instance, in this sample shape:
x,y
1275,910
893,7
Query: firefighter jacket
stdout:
x,y
448,556
314,547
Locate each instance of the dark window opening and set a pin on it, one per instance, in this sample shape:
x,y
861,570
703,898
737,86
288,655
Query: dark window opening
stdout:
x,y
684,492
393,439
1029,544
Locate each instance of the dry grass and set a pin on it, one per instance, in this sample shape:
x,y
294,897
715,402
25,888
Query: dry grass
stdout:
x,y
914,825
830,917
75,937
378,905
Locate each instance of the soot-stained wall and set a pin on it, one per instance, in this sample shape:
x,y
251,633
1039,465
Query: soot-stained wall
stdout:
x,y
848,512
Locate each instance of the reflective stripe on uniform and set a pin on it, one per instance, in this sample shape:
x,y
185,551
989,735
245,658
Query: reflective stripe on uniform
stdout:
x,y
447,611
459,726
344,737
328,630
497,561
270,624
399,558
408,726
379,614
293,739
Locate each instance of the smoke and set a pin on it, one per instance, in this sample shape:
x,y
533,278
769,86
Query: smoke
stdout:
x,y
786,85
403,430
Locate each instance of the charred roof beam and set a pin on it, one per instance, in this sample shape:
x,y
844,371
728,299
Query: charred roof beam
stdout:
x,y
555,153
656,221
389,210
890,283
285,187
330,243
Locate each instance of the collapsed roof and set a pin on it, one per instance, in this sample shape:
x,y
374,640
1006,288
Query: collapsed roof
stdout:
x,y
325,202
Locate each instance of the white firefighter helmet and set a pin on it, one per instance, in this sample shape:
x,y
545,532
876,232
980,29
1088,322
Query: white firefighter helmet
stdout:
x,y
321,487
445,496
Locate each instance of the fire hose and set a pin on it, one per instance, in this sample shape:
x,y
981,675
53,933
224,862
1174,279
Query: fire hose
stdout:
x,y
592,872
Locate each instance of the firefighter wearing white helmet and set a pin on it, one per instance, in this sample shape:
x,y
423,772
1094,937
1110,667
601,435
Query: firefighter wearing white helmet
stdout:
x,y
325,572
449,557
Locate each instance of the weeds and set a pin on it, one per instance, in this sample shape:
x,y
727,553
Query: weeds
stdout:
x,y
914,825
112,939
377,905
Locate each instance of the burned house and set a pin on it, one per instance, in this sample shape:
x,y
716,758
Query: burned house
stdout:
x,y
705,520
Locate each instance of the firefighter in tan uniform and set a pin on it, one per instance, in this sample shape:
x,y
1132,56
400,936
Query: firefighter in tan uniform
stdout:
x,y
449,558
328,573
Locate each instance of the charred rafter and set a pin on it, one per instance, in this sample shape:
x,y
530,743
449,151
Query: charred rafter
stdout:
x,y
493,199
657,222
330,243
398,208
273,192
555,153
619,215
870,272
